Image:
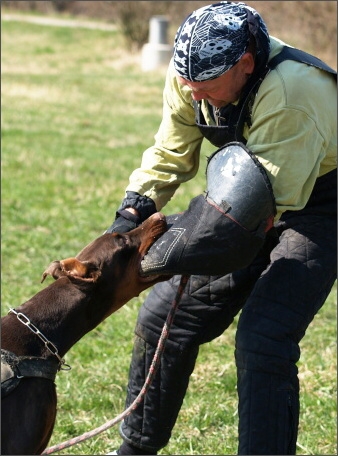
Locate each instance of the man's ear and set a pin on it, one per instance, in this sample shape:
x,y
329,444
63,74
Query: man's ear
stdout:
x,y
248,63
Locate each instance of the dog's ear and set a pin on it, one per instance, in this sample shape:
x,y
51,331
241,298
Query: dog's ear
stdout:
x,y
73,267
84,270
54,269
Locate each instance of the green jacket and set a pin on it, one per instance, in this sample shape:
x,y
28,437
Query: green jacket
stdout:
x,y
293,134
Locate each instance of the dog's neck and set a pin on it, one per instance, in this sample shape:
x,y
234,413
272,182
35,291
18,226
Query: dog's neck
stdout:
x,y
63,323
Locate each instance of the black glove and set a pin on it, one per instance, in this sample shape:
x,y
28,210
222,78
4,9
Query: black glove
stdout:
x,y
126,221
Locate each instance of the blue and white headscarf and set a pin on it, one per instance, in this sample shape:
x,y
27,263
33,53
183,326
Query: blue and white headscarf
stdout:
x,y
212,39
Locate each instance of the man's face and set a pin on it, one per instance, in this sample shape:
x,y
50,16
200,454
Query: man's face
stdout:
x,y
224,89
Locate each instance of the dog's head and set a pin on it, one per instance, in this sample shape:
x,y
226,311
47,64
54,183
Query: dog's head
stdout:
x,y
113,260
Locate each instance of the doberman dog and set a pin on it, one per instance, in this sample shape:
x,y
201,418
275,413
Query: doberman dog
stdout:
x,y
88,288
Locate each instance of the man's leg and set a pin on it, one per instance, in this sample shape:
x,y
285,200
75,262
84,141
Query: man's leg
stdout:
x,y
274,319
149,426
207,308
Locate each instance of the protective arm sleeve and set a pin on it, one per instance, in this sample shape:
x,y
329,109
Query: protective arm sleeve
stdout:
x,y
221,231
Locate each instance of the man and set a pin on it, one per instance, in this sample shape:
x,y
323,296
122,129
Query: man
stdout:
x,y
230,81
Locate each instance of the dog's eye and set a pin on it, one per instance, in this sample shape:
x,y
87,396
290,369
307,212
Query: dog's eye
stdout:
x,y
120,239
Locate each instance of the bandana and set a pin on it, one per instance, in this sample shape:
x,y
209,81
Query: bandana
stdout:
x,y
212,39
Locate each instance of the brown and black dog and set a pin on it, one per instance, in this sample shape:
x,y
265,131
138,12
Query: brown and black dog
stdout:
x,y
90,287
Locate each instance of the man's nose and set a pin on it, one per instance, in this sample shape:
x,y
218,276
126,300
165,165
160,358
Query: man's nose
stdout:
x,y
197,96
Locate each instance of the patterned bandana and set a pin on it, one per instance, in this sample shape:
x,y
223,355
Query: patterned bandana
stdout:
x,y
212,39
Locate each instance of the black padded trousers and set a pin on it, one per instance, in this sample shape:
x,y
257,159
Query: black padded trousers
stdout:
x,y
279,295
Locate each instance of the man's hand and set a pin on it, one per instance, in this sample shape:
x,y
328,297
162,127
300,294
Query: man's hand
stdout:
x,y
134,210
127,220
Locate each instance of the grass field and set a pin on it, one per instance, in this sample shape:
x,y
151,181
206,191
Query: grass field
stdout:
x,y
77,113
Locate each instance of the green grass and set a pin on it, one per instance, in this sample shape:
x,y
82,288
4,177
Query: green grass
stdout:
x,y
77,113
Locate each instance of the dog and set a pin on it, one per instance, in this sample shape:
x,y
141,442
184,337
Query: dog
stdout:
x,y
34,337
